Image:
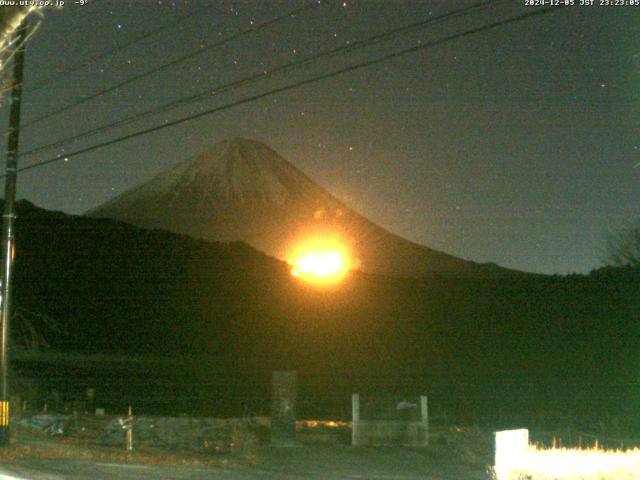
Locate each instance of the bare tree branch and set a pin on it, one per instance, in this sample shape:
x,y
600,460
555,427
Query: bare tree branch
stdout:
x,y
623,249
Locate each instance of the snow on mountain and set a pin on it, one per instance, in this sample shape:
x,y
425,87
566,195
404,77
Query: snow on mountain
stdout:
x,y
243,190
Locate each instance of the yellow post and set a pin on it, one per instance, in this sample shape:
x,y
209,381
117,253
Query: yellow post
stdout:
x,y
4,413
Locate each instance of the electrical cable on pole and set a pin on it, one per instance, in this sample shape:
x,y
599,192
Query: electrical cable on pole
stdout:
x,y
101,56
211,92
8,248
292,86
170,64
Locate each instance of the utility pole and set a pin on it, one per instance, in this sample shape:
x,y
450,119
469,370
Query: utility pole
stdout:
x,y
9,216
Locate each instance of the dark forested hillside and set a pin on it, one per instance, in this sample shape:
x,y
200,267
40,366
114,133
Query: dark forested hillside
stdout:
x,y
481,348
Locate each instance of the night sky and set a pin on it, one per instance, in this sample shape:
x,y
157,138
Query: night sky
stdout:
x,y
519,145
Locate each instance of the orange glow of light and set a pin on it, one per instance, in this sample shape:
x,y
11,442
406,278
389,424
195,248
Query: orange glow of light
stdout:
x,y
320,261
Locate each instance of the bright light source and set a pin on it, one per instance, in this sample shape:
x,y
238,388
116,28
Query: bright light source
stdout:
x,y
322,264
515,458
321,261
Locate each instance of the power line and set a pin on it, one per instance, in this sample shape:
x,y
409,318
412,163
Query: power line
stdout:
x,y
265,74
292,86
170,64
101,56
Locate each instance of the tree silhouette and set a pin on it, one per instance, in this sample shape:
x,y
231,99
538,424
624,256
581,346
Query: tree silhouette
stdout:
x,y
623,249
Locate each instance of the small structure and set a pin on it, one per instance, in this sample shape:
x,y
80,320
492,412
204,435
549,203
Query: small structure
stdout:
x,y
408,427
283,411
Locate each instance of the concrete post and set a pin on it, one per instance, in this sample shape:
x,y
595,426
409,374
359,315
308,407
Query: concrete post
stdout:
x,y
355,419
130,431
424,418
424,410
283,415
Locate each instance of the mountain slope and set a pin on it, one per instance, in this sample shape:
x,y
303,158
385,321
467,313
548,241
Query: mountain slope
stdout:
x,y
243,190
559,343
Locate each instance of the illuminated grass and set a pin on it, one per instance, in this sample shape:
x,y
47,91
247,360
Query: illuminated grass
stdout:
x,y
31,444
572,464
143,456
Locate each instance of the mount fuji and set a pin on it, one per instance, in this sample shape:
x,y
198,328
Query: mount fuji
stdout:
x,y
242,190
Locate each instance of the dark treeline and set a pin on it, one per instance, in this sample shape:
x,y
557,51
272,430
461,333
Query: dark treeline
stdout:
x,y
506,350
